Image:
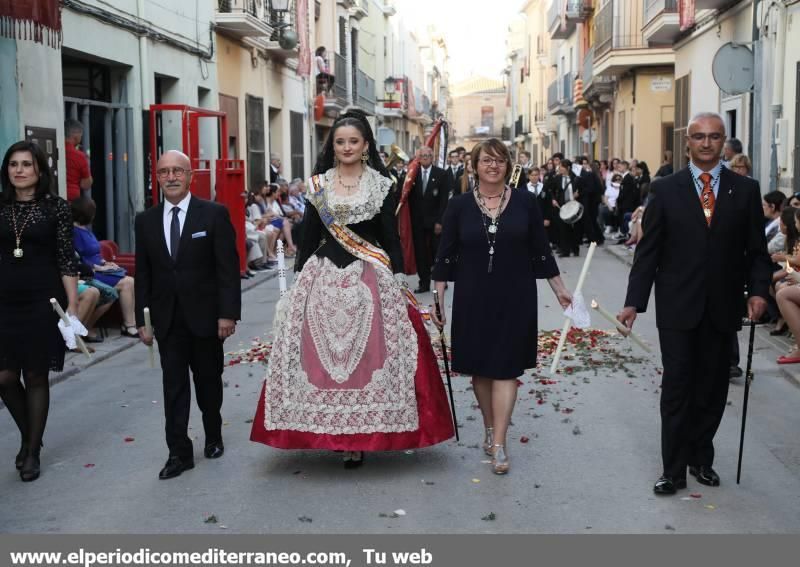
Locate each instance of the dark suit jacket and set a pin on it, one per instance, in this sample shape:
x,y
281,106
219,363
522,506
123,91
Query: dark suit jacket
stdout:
x,y
629,196
427,209
699,269
204,280
454,178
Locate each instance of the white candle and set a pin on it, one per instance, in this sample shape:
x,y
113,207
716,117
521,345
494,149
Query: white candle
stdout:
x,y
148,325
281,269
568,322
625,331
78,339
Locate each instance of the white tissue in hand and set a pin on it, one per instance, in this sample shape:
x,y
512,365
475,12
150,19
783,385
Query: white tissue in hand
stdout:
x,y
578,313
77,326
68,333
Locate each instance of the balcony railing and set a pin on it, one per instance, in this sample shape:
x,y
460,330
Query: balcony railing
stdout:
x,y
253,7
620,31
552,95
653,8
557,31
365,92
579,10
592,82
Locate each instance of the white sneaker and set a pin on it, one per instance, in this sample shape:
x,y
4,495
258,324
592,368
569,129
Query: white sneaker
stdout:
x,y
608,230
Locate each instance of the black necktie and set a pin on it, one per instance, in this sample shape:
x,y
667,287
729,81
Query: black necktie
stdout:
x,y
174,233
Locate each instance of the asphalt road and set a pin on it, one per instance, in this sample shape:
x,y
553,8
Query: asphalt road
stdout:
x,y
587,471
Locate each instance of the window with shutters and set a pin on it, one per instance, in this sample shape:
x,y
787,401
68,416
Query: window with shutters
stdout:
x,y
679,160
296,134
256,158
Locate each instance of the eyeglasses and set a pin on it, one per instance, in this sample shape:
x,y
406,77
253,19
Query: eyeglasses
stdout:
x,y
699,137
178,172
487,161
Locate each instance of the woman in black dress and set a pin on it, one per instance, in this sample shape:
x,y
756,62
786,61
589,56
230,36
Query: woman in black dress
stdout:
x,y
494,248
37,262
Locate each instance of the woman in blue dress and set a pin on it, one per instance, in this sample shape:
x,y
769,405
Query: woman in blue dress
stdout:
x,y
494,248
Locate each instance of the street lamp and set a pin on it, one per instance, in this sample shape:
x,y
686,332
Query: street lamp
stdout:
x,y
279,5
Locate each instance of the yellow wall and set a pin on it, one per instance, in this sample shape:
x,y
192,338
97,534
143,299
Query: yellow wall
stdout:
x,y
653,107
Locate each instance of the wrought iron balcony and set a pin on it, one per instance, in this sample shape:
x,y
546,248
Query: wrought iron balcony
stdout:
x,y
662,23
364,95
621,31
558,26
243,18
552,95
594,84
579,11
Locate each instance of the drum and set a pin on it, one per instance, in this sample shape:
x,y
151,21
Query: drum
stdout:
x,y
571,212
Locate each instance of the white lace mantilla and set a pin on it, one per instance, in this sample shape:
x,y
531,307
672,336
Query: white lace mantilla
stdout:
x,y
362,205
339,308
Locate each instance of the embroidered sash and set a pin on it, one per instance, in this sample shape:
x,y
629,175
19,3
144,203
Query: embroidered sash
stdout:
x,y
352,242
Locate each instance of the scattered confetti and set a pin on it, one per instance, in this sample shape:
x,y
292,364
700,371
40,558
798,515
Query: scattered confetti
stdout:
x,y
476,480
88,466
710,507
577,431
696,495
523,439
129,440
400,512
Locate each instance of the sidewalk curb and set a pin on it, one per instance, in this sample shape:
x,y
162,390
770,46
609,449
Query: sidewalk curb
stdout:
x,y
762,335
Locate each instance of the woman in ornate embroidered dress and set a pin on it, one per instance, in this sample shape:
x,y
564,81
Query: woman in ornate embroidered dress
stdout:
x,y
352,367
494,247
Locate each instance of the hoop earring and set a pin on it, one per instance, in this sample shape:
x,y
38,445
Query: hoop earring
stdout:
x,y
364,157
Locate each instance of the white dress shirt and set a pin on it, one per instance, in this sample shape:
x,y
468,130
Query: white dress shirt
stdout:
x,y
184,208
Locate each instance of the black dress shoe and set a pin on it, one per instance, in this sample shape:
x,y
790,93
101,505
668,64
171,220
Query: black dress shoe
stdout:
x,y
736,372
423,289
705,475
214,450
174,467
666,486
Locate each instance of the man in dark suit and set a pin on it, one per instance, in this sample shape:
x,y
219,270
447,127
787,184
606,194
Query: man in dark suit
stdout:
x,y
629,198
428,200
455,169
274,167
703,243
187,273
592,195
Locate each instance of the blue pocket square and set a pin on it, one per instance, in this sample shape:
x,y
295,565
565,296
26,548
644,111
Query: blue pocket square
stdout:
x,y
199,234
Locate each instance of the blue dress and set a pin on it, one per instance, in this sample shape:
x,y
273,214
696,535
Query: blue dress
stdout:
x,y
88,247
494,327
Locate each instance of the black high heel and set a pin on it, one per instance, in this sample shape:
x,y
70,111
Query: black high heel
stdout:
x,y
31,467
20,458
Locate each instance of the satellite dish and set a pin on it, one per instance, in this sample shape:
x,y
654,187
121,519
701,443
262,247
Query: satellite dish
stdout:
x,y
734,68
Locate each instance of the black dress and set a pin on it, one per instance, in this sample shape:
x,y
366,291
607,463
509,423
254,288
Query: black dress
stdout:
x,y
494,321
29,335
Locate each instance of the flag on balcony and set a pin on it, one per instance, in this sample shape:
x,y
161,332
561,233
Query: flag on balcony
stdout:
x,y
686,13
34,20
304,50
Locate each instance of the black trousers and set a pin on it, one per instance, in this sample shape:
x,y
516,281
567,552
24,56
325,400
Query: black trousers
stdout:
x,y
591,228
425,246
181,351
568,237
694,392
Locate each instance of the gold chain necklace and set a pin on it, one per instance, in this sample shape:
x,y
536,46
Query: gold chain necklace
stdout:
x,y
345,186
18,253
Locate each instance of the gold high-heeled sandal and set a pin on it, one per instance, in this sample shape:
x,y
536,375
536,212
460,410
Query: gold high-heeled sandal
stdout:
x,y
488,441
500,462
